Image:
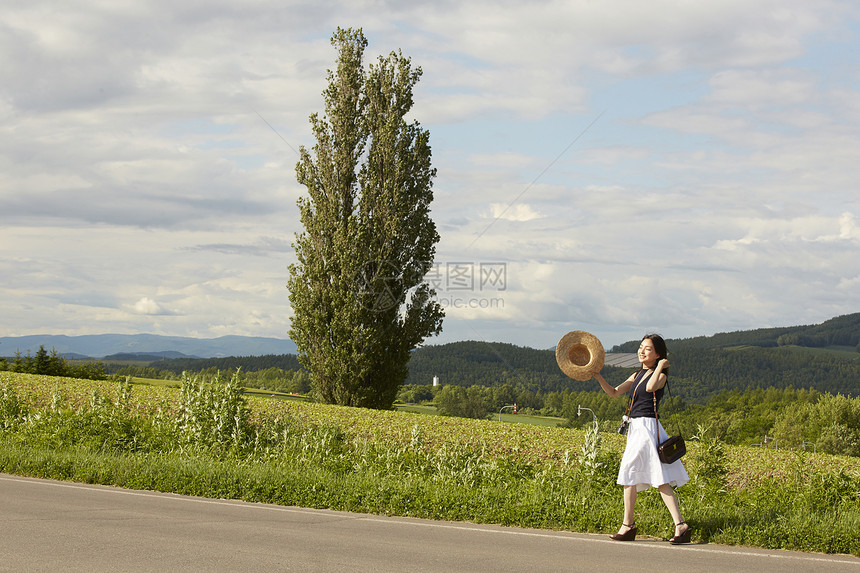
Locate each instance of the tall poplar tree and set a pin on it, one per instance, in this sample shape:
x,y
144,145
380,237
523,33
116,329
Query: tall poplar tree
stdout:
x,y
357,292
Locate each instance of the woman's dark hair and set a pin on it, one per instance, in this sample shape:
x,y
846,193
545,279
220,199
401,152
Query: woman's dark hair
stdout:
x,y
659,346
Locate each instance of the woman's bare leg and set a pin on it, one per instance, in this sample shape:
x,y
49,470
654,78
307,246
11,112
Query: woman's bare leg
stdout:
x,y
671,501
629,507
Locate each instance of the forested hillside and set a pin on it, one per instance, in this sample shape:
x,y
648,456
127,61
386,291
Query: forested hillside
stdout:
x,y
473,363
821,357
246,363
699,373
841,331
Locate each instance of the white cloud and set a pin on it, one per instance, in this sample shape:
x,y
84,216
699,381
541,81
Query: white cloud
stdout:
x,y
514,212
761,88
142,188
148,306
848,228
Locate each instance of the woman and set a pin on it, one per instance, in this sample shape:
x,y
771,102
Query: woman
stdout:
x,y
640,465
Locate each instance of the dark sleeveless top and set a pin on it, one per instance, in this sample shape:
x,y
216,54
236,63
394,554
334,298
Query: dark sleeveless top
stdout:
x,y
643,404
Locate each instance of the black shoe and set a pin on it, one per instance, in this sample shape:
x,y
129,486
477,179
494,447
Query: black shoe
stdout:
x,y
628,535
684,537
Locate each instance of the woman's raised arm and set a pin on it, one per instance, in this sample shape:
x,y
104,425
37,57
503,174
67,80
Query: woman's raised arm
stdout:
x,y
658,379
619,390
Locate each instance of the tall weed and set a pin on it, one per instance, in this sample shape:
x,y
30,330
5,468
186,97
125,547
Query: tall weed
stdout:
x,y
212,415
709,466
12,410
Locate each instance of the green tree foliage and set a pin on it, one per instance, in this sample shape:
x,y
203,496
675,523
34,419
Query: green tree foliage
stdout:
x,y
358,294
52,364
417,393
471,402
229,363
839,439
743,417
295,382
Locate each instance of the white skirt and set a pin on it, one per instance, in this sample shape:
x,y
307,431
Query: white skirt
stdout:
x,y
640,464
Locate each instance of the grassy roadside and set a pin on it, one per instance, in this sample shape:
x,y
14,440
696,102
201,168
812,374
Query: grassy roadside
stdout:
x,y
397,463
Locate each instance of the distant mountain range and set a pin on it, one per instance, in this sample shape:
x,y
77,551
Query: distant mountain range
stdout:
x,y
99,346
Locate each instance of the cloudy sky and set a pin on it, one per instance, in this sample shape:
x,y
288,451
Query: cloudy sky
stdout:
x,y
616,166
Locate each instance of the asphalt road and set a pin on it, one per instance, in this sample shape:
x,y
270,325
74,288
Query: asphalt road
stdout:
x,y
57,526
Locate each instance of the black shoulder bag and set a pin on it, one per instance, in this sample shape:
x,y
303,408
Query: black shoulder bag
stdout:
x,y
673,448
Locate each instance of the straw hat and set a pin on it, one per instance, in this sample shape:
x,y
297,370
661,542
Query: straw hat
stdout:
x,y
579,355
